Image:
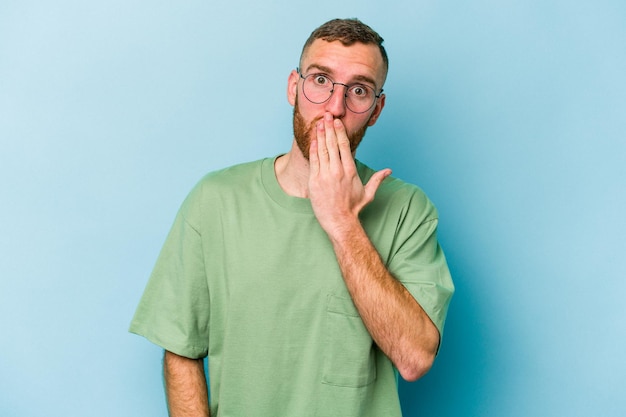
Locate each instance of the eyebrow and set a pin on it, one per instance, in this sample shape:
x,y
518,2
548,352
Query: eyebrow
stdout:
x,y
360,78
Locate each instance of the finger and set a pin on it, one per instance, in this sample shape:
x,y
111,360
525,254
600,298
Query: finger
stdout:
x,y
374,182
314,162
322,149
343,143
331,139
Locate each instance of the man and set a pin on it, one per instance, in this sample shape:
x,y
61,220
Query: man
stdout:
x,y
307,279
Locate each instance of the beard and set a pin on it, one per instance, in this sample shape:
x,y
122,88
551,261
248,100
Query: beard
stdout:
x,y
303,132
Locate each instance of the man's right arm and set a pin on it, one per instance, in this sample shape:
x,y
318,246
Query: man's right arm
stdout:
x,y
185,386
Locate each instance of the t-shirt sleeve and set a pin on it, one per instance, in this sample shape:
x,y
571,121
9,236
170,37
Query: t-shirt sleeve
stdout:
x,y
419,262
174,309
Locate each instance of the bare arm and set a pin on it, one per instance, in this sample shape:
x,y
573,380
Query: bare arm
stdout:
x,y
395,320
185,386
392,316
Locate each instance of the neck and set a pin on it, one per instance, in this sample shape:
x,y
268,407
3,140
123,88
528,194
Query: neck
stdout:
x,y
292,172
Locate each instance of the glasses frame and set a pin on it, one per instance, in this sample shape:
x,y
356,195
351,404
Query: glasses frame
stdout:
x,y
345,95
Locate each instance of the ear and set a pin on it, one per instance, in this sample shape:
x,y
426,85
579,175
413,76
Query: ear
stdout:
x,y
292,87
378,108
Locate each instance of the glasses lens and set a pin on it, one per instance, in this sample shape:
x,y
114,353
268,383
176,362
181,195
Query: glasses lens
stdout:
x,y
360,98
317,88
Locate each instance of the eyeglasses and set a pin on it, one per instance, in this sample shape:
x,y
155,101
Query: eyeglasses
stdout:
x,y
318,88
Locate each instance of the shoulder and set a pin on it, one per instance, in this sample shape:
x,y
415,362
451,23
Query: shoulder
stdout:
x,y
401,196
233,179
234,174
225,183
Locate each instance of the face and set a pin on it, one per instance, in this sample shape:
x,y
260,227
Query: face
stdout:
x,y
344,64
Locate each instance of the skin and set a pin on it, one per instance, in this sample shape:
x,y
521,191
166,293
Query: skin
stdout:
x,y
185,386
320,166
303,133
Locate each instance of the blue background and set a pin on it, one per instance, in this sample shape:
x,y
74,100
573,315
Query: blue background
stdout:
x,y
511,115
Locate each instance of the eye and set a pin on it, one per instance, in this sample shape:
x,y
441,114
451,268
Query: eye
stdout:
x,y
320,80
360,91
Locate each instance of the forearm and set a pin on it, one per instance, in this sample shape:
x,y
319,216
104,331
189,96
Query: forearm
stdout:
x,y
394,319
185,386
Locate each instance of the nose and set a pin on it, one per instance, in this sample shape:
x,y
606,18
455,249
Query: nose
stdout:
x,y
336,104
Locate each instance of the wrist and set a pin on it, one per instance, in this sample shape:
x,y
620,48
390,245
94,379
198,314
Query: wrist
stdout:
x,y
345,231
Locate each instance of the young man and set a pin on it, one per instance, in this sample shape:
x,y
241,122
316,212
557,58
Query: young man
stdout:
x,y
307,279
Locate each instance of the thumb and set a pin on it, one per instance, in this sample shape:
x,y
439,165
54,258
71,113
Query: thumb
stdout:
x,y
374,182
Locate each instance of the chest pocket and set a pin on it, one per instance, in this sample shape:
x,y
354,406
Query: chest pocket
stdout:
x,y
349,353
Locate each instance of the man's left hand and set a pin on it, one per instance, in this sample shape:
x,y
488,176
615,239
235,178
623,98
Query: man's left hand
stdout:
x,y
335,189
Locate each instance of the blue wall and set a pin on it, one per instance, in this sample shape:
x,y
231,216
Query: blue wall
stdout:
x,y
511,115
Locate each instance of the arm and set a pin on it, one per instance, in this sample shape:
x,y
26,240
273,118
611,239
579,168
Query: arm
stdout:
x,y
392,316
185,386
394,319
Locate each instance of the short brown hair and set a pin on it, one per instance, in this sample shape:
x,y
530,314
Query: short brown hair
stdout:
x,y
348,32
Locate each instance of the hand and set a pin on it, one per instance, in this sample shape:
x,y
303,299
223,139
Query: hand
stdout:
x,y
335,189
